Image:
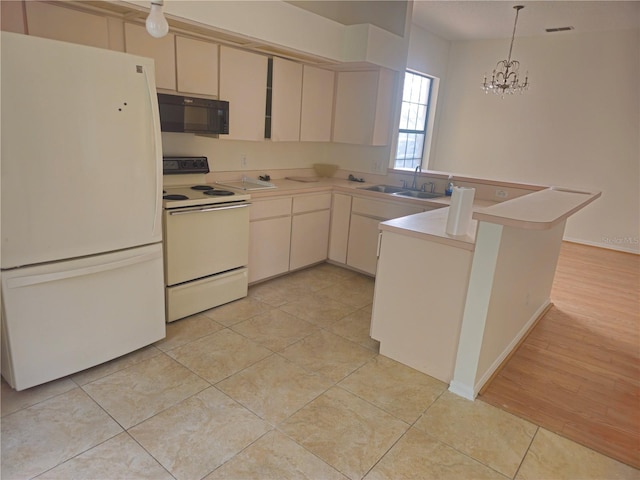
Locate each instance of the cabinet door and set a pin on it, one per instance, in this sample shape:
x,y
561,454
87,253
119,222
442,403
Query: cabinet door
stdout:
x,y
286,100
269,247
162,50
364,107
356,94
309,238
363,243
317,104
339,235
59,23
243,83
197,66
384,108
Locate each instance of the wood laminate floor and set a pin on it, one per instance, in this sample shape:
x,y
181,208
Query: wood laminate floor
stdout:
x,y
578,371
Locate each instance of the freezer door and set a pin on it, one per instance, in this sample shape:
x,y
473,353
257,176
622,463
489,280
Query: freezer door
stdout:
x,y
61,318
81,151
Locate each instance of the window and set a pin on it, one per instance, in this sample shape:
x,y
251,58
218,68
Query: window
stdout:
x,y
416,99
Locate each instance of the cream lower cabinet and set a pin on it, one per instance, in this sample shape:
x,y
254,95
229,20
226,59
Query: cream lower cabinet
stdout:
x,y
287,233
269,238
339,232
366,214
310,230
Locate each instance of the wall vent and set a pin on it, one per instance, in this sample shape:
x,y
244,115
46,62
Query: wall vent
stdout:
x,y
559,29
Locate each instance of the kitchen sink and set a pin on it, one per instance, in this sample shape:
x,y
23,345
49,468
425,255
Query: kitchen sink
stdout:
x,y
383,189
416,194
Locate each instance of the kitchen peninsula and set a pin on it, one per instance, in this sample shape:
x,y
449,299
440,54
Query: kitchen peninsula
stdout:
x,y
455,307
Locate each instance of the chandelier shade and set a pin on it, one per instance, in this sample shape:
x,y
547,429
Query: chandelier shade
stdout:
x,y
505,79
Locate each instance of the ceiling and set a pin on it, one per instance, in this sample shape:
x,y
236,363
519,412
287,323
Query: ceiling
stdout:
x,y
473,20
477,19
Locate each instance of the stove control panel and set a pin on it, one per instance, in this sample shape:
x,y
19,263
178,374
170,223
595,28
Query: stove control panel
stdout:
x,y
178,165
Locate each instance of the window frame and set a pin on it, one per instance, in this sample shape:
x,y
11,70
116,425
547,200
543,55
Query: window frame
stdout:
x,y
427,130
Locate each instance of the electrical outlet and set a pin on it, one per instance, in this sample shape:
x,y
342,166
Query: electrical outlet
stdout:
x,y
501,193
243,160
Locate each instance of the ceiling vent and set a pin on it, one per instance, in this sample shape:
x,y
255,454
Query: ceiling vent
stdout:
x,y
559,29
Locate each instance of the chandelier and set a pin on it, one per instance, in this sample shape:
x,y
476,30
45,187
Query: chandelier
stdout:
x,y
505,79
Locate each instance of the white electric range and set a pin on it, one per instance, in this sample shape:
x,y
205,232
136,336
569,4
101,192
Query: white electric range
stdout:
x,y
206,239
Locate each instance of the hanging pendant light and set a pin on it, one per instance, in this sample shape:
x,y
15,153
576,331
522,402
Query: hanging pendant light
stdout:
x,y
156,24
505,78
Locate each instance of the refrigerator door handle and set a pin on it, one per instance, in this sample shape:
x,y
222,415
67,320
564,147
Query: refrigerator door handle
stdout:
x,y
157,145
18,282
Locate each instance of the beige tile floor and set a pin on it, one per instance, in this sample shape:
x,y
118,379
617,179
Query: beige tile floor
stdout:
x,y
284,384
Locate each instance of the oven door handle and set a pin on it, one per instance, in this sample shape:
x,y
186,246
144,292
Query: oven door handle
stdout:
x,y
209,209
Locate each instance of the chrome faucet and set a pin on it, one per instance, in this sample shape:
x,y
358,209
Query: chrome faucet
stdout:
x,y
432,187
414,184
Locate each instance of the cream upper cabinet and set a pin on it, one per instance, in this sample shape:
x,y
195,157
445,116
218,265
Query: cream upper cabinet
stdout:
x,y
162,50
317,104
286,100
197,66
12,17
363,107
60,23
243,83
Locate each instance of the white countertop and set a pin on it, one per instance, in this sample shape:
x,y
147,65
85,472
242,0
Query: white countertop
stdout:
x,y
538,210
431,226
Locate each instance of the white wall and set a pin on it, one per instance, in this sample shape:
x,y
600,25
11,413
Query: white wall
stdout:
x,y
578,125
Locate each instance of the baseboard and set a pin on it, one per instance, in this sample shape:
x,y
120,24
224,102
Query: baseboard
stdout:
x,y
510,348
513,351
462,390
620,247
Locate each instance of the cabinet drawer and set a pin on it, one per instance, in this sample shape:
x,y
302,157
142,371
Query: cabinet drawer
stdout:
x,y
382,210
270,208
310,203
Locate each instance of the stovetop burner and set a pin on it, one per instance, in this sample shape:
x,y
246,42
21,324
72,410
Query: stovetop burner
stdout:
x,y
197,193
175,197
218,193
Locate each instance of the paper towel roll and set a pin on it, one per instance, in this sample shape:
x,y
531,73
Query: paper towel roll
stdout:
x,y
460,211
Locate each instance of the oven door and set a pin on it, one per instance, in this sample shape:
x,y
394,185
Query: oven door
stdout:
x,y
205,240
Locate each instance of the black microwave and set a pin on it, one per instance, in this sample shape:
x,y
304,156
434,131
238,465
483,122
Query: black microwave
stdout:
x,y
193,115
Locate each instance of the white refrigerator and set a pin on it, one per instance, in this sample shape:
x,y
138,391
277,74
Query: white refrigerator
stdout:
x,y
81,202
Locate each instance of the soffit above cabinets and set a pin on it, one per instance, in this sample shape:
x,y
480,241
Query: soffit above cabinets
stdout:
x,y
137,13
390,15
